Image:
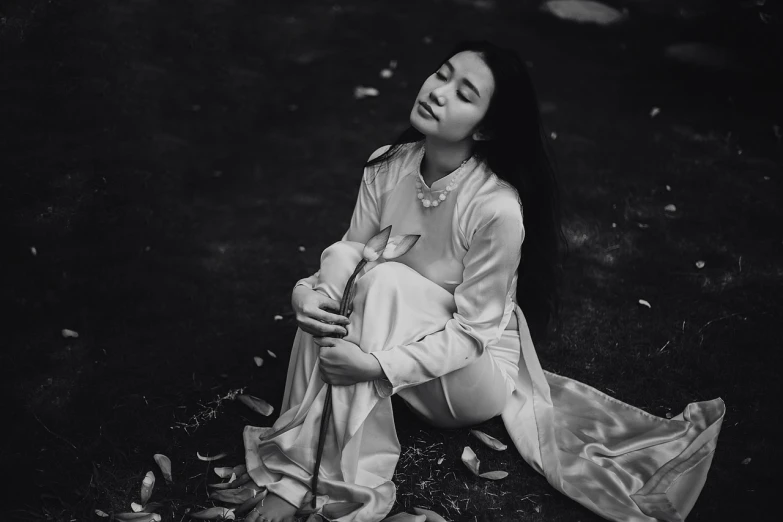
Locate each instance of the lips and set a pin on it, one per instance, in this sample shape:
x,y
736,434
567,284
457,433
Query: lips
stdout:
x,y
427,108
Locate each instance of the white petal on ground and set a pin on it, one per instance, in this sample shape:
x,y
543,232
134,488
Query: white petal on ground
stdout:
x,y
164,463
670,208
278,318
224,472
363,92
644,303
256,404
215,513
746,461
490,441
405,517
259,361
34,252
147,485
271,354
494,475
655,112
440,461
101,513
136,507
431,515
470,459
69,333
208,459
386,74
699,264
583,11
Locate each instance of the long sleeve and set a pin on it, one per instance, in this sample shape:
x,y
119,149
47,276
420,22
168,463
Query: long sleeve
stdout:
x,y
489,267
365,221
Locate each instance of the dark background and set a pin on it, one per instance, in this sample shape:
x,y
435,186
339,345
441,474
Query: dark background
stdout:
x,y
168,160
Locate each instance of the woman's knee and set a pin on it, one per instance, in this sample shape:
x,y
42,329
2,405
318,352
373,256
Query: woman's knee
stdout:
x,y
350,251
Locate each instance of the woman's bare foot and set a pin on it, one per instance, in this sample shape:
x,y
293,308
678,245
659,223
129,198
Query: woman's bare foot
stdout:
x,y
272,509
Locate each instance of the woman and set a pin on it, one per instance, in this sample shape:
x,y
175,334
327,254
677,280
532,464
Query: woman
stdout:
x,y
441,327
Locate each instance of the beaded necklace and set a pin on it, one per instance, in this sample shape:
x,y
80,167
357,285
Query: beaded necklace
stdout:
x,y
442,197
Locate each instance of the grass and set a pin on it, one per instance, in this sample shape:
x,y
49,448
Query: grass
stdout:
x,y
168,160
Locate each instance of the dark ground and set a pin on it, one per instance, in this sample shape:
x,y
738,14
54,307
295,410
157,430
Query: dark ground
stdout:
x,y
167,160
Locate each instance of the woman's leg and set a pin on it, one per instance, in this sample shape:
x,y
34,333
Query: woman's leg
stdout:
x,y
470,395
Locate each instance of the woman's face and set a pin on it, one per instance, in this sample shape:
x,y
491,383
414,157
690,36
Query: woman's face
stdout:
x,y
452,101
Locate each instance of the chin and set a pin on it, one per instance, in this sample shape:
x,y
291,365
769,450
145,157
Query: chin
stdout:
x,y
419,123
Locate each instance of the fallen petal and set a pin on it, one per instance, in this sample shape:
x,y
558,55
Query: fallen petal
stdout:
x,y
69,333
746,461
494,475
470,459
136,507
644,303
431,515
234,496
146,487
340,509
440,461
208,459
406,517
164,463
214,513
386,74
34,252
583,11
101,513
259,361
670,208
137,517
492,442
224,472
699,264
278,318
271,354
362,92
256,404
655,112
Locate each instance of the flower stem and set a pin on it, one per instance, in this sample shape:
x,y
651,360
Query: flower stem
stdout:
x,y
344,302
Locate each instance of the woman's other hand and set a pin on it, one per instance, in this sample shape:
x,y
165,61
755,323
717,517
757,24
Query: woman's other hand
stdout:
x,y
343,363
317,314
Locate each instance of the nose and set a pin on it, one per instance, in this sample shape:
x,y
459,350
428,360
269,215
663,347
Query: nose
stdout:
x,y
437,97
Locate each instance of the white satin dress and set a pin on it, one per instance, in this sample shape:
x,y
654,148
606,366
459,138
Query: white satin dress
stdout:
x,y
443,323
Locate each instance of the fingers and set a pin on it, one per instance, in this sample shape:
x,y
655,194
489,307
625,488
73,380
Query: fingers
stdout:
x,y
323,341
328,317
319,329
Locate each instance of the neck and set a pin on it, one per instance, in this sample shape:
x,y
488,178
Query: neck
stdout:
x,y
442,157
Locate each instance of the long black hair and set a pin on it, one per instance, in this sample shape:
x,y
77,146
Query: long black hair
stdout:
x,y
518,153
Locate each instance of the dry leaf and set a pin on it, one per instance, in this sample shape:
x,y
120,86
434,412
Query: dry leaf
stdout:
x,y
101,513
208,459
164,463
490,441
644,303
146,487
431,515
215,513
69,333
340,509
272,354
259,361
256,404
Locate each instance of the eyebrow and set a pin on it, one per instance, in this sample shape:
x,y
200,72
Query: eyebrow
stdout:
x,y
465,80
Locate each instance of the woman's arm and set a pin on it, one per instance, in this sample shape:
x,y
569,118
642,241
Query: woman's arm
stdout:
x,y
489,267
365,221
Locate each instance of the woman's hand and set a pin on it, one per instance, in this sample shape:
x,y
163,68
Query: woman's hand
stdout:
x,y
343,363
314,313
